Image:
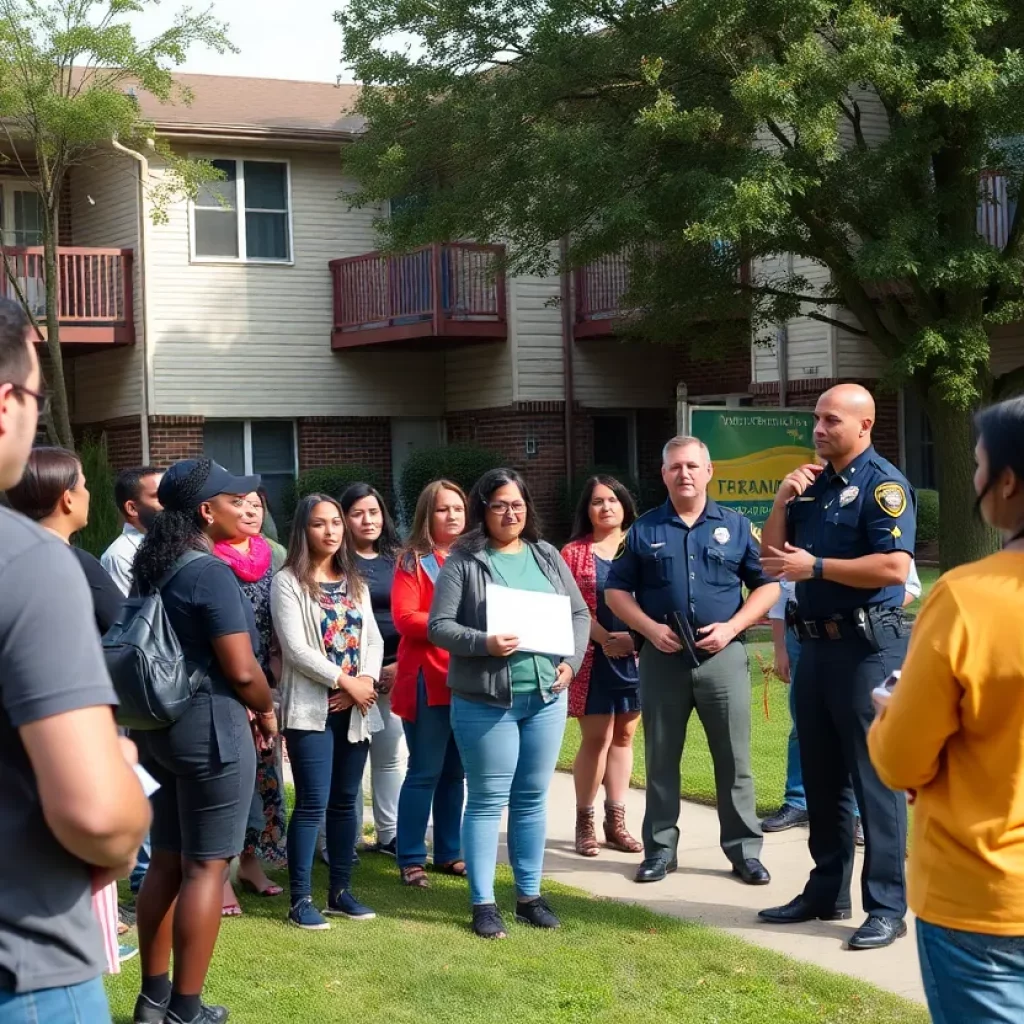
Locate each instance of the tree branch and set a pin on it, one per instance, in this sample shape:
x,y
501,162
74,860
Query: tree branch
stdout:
x,y
853,116
832,321
764,289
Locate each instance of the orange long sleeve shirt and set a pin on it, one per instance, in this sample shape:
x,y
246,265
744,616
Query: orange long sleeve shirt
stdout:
x,y
954,732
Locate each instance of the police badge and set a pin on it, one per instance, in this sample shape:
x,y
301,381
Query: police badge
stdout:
x,y
721,535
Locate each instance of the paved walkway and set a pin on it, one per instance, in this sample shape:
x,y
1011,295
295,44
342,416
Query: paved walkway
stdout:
x,y
704,889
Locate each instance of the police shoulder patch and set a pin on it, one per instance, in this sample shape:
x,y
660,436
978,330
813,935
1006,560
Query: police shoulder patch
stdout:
x,y
891,498
755,532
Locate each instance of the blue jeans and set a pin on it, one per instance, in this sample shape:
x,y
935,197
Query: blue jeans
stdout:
x,y
328,771
74,1004
141,867
970,978
434,776
510,756
794,773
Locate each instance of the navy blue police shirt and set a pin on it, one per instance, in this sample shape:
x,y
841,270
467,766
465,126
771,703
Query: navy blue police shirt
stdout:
x,y
869,508
699,570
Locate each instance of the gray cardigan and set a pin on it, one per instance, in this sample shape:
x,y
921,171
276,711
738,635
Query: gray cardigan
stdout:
x,y
458,622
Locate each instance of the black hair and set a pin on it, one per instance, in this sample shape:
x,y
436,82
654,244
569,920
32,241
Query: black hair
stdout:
x,y
476,536
177,529
388,543
128,485
581,524
1000,428
15,361
49,473
299,559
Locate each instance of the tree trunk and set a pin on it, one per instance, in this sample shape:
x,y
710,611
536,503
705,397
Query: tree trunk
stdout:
x,y
963,537
55,378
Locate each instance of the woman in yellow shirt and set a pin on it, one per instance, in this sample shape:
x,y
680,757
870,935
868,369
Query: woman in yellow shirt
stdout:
x,y
953,732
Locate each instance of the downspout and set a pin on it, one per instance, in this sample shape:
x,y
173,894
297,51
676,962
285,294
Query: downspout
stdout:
x,y
567,375
143,236
782,347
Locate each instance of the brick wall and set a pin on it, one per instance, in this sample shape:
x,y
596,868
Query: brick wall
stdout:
x,y
708,374
173,438
804,393
353,441
124,440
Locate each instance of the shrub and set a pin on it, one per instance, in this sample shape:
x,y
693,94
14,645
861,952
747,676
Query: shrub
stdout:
x,y
927,517
104,521
463,464
330,480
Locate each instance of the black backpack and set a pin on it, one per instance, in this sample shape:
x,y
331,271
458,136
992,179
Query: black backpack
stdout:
x,y
146,663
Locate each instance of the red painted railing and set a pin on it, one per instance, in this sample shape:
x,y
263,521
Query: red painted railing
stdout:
x,y
94,286
435,286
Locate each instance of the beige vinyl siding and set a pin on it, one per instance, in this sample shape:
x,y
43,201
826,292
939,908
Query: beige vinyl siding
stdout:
x,y
105,214
613,374
874,123
1007,348
765,356
478,377
535,321
255,339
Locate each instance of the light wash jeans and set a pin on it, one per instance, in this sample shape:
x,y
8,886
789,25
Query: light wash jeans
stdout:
x,y
74,1004
509,755
970,978
389,758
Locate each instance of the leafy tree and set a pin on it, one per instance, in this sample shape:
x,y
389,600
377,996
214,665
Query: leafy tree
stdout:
x,y
68,74
849,132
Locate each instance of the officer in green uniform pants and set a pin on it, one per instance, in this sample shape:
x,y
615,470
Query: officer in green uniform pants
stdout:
x,y
677,582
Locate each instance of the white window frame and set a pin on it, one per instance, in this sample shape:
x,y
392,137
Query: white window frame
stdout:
x,y
8,186
240,212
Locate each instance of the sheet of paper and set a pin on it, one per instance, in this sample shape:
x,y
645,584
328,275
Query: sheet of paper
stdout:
x,y
543,622
149,784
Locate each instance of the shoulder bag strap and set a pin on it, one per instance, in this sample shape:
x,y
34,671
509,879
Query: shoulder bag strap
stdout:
x,y
186,559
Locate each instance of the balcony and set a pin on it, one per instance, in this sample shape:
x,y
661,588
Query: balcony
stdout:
x,y
94,293
599,291
447,294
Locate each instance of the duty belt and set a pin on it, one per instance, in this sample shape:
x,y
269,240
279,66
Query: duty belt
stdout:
x,y
859,623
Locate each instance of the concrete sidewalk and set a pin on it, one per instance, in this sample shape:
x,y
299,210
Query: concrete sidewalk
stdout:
x,y
705,890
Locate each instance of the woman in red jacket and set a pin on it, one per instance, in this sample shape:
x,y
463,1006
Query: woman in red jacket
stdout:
x,y
420,696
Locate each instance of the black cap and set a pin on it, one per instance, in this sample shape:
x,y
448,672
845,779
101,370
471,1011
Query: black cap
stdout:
x,y
171,492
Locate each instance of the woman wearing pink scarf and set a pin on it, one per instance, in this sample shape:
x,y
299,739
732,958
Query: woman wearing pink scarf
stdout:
x,y
251,561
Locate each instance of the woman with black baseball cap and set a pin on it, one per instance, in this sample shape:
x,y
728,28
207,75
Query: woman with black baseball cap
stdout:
x,y
205,762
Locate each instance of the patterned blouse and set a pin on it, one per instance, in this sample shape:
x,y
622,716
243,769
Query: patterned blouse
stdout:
x,y
341,622
258,594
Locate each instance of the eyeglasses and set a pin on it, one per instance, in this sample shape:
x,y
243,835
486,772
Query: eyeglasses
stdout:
x,y
502,508
42,401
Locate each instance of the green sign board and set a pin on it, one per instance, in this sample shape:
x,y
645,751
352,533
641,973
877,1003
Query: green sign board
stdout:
x,y
752,451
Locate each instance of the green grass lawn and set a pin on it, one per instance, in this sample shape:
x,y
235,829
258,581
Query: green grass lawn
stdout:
x,y
418,963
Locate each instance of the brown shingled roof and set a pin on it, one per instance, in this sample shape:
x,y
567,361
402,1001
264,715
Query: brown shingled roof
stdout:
x,y
257,107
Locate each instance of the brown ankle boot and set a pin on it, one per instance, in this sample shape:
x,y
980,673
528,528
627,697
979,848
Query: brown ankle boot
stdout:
x,y
586,834
616,835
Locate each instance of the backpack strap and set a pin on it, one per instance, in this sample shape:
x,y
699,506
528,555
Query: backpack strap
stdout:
x,y
186,559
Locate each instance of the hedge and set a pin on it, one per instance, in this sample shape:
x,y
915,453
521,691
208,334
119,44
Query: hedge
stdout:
x,y
104,520
463,464
927,517
330,480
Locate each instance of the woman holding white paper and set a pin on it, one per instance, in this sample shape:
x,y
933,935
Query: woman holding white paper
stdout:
x,y
508,705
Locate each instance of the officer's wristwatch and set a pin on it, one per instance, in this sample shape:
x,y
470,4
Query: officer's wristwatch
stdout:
x,y
818,572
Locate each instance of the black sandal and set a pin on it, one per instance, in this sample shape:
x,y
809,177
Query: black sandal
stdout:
x,y
452,867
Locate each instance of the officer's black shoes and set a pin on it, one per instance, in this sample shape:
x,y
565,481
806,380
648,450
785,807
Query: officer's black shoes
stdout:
x,y
878,932
752,872
786,817
655,868
799,910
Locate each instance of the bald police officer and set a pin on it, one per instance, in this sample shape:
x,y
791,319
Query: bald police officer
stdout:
x,y
844,533
677,581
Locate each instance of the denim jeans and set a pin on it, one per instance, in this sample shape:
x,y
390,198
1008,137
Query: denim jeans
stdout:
x,y
389,757
327,770
795,796
74,1004
509,755
141,867
435,776
970,978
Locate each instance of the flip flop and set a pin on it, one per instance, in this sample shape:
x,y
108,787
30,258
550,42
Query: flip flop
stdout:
x,y
231,910
271,889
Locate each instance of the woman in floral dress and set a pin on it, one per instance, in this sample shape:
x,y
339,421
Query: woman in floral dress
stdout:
x,y
251,561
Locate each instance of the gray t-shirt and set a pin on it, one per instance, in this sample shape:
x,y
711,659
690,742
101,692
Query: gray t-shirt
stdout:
x,y
50,663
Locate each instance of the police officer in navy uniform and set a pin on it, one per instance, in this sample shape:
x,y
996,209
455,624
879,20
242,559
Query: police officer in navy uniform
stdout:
x,y
677,582
844,532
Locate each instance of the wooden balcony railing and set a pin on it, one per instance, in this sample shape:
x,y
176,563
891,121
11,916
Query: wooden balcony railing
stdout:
x,y
94,288
600,288
448,291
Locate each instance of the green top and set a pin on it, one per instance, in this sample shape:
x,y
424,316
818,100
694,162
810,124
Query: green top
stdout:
x,y
520,571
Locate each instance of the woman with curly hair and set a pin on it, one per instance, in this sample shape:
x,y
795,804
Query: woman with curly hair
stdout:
x,y
205,762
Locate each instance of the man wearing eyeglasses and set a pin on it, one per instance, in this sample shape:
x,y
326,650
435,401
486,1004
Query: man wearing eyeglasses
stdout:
x,y
678,581
71,808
